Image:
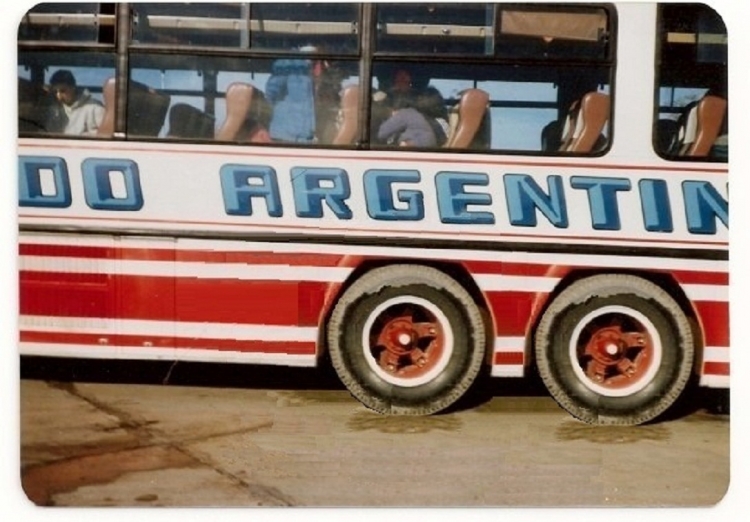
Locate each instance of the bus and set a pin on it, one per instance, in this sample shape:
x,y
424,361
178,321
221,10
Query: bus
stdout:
x,y
418,195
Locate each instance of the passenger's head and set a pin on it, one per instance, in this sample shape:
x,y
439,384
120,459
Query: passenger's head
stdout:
x,y
430,103
402,81
63,85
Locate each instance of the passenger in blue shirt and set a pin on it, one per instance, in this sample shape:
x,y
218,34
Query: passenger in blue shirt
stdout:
x,y
290,91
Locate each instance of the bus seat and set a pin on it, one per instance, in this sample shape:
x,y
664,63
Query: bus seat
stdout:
x,y
585,122
247,115
186,121
348,116
551,137
700,130
107,126
34,103
666,132
467,119
147,110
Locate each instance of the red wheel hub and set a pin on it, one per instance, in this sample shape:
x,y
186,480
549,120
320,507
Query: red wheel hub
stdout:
x,y
614,358
408,347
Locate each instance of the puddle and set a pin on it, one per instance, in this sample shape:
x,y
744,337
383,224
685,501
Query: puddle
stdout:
x,y
402,424
42,483
303,398
574,430
707,416
48,452
518,405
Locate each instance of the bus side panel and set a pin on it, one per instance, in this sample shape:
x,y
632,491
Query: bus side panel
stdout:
x,y
138,298
67,298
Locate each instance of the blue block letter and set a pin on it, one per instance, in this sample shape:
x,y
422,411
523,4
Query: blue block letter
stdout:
x,y
657,214
453,201
30,192
524,197
379,195
97,184
703,204
241,183
602,194
313,186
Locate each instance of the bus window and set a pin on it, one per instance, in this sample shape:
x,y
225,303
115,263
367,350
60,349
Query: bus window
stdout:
x,y
67,22
284,100
425,29
262,26
691,120
534,89
317,27
563,32
521,102
61,93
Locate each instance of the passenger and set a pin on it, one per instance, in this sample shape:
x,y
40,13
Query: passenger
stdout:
x,y
402,83
379,113
290,91
76,112
327,80
407,127
430,103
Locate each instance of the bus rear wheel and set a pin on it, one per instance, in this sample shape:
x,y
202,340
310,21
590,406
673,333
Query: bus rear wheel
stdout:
x,y
614,349
406,340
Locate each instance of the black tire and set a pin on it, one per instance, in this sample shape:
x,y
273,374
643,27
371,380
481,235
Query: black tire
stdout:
x,y
453,356
576,334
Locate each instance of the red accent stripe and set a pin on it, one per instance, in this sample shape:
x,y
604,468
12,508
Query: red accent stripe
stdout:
x,y
714,316
85,297
136,341
701,278
515,269
62,250
514,358
512,312
158,253
186,299
715,368
404,157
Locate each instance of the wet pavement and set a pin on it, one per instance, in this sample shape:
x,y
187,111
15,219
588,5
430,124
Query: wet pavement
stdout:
x,y
145,443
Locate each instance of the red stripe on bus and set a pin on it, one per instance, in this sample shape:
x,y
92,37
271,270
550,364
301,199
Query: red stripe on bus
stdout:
x,y
385,155
512,312
283,303
505,358
701,278
169,254
715,368
146,341
714,316
502,268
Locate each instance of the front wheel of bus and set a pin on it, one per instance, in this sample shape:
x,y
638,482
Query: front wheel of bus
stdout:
x,y
406,340
614,349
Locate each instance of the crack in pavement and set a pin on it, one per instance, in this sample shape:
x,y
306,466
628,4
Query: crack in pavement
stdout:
x,y
152,449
